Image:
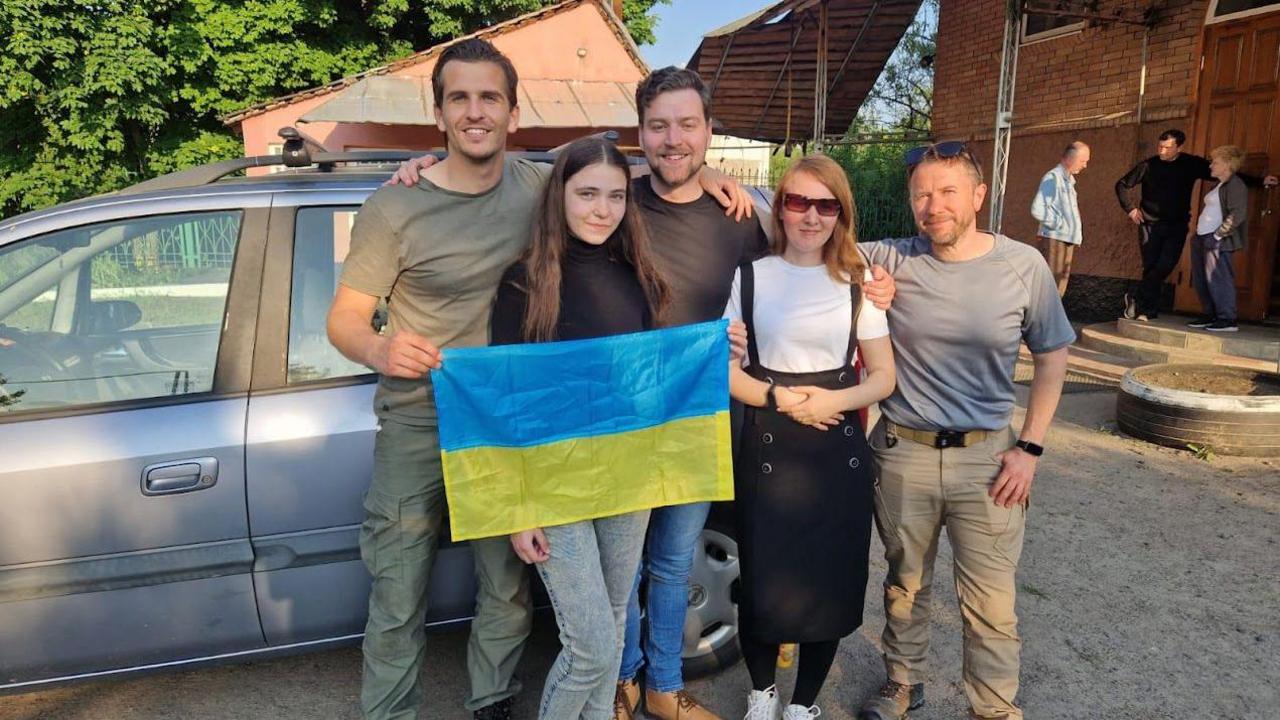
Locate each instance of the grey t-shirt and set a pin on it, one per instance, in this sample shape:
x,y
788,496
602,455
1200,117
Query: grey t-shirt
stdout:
x,y
437,256
956,327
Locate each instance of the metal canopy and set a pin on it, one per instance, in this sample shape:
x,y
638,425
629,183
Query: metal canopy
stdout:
x,y
764,69
396,100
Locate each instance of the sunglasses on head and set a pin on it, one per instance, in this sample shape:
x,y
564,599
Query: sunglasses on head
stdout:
x,y
826,207
942,150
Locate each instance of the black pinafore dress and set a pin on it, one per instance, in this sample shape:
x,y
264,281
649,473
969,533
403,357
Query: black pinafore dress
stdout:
x,y
804,501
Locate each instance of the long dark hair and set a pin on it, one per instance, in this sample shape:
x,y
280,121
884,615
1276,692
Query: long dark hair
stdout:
x,y
629,242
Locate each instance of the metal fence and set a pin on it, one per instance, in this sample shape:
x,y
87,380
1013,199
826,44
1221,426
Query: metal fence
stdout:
x,y
202,242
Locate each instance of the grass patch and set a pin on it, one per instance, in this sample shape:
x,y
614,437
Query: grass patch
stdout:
x,y
1033,590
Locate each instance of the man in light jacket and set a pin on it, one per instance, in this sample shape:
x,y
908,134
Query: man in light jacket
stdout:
x,y
1057,209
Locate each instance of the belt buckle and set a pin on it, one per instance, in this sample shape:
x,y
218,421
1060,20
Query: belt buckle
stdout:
x,y
948,438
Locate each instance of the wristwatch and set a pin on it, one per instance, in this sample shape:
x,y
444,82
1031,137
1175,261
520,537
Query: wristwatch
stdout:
x,y
770,398
1029,447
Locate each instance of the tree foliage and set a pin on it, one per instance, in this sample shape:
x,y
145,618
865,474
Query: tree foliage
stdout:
x,y
97,95
902,98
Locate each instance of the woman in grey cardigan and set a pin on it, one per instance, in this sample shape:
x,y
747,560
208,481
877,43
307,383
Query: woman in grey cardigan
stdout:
x,y
1220,232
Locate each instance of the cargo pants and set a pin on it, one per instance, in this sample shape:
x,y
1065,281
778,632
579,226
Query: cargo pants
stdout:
x,y
404,515
919,489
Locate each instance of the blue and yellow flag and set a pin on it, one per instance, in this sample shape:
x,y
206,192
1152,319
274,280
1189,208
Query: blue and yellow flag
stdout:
x,y
552,433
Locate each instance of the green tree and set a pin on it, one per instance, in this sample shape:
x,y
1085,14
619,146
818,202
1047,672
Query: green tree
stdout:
x,y
98,95
902,98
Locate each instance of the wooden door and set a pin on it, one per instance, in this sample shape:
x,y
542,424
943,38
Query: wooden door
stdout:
x,y
1238,97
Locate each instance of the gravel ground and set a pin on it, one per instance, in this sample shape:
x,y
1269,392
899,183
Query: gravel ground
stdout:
x,y
1150,588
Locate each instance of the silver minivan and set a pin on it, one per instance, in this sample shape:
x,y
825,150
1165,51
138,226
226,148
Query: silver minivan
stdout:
x,y
183,453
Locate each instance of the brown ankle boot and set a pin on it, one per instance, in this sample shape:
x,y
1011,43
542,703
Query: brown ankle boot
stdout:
x,y
626,700
678,705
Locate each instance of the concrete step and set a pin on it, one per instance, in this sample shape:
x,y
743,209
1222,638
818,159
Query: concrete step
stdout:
x,y
1092,363
1107,338
1251,341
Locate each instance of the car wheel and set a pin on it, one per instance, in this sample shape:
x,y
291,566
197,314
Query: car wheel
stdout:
x,y
711,622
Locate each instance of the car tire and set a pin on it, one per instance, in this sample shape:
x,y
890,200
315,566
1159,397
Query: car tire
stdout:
x,y
711,622
1226,424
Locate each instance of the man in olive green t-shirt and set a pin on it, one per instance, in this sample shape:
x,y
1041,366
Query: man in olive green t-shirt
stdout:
x,y
436,252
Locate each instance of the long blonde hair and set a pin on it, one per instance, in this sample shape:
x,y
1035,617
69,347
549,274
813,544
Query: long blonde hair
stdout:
x,y
840,252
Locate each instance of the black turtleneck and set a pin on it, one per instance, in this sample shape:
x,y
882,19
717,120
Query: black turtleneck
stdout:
x,y
599,296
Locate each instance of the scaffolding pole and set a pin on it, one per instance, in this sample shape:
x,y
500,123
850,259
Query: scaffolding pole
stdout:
x,y
1004,110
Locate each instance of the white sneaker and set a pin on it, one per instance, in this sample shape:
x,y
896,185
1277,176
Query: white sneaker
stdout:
x,y
800,712
763,705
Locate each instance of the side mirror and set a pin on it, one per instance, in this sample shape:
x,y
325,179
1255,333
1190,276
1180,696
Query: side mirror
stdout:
x,y
107,316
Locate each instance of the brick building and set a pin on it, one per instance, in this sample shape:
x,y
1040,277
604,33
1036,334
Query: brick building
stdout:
x,y
1211,70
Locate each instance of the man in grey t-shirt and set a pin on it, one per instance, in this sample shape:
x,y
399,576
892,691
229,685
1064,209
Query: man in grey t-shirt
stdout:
x,y
966,300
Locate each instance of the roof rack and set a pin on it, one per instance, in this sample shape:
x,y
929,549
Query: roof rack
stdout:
x,y
206,174
296,155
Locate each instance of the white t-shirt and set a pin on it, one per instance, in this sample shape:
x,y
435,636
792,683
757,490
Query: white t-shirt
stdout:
x,y
801,316
1210,214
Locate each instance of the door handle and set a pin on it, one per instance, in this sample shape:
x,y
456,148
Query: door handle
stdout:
x,y
179,476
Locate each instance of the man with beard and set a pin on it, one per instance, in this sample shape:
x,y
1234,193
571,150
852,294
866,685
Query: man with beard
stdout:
x,y
697,249
945,449
436,249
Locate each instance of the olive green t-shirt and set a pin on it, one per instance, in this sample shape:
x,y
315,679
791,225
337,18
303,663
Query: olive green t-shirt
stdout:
x,y
437,257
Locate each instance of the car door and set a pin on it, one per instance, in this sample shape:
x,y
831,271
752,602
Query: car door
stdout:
x,y
309,453
125,347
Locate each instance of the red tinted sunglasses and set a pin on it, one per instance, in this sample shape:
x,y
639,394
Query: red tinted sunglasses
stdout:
x,y
827,207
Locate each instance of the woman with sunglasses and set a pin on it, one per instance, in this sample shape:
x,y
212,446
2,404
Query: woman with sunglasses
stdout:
x,y
803,475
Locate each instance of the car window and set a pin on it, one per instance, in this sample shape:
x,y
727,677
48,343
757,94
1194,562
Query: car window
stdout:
x,y
118,311
16,261
322,236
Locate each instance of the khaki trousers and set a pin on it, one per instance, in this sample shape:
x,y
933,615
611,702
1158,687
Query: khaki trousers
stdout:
x,y
920,489
404,515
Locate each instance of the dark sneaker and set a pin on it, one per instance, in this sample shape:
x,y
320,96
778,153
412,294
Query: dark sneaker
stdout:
x,y
500,710
1203,321
892,701
1222,326
1130,307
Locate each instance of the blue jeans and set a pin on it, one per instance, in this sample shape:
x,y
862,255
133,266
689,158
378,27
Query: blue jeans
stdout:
x,y
588,578
673,535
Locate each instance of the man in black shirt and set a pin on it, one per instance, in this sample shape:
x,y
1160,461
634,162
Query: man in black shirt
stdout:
x,y
1167,180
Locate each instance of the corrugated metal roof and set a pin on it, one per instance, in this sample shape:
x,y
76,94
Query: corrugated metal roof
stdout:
x,y
762,69
391,100
385,99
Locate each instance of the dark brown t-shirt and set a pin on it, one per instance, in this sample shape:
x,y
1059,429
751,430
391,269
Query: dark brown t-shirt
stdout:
x,y
698,248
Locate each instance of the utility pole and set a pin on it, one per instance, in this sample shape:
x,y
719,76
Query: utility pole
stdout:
x,y
1004,109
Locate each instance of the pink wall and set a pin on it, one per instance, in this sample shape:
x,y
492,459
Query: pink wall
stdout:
x,y
547,49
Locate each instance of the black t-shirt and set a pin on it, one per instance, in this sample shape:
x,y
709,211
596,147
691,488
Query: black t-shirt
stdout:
x,y
1167,186
599,296
697,248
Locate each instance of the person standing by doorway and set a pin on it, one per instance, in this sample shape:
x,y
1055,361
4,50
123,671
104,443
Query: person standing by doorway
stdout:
x,y
1221,231
1057,208
1167,180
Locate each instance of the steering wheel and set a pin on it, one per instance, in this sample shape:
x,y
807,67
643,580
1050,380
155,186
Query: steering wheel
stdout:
x,y
20,349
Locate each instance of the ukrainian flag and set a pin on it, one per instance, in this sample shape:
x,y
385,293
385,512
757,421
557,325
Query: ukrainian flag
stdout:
x,y
552,433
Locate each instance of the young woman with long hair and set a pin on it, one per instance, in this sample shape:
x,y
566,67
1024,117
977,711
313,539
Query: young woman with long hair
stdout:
x,y
804,475
588,273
